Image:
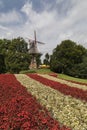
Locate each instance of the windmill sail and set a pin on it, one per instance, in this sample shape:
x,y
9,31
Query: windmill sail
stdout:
x,y
35,36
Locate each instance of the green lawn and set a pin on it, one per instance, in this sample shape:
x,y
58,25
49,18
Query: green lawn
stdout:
x,y
63,76
44,71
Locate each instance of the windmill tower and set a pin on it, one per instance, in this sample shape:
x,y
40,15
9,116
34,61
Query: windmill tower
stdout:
x,y
33,50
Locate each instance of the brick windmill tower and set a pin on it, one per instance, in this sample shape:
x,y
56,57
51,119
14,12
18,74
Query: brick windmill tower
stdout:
x,y
33,51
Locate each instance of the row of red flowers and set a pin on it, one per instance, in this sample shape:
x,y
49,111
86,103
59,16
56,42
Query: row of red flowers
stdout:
x,y
56,75
53,74
19,110
63,88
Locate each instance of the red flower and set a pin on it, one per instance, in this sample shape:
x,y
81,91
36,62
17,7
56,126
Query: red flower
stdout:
x,y
19,109
26,125
63,88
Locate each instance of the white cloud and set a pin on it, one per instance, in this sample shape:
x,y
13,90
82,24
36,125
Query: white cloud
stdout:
x,y
27,8
9,17
5,32
3,27
78,12
40,20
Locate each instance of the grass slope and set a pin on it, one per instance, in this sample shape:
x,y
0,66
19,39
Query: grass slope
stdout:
x,y
63,76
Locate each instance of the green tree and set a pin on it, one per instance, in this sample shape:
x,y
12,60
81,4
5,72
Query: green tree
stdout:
x,y
66,56
18,45
47,59
16,62
2,64
38,60
4,46
16,55
82,68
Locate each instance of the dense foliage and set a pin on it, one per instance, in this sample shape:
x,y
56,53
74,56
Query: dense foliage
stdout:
x,y
46,60
69,58
2,64
14,55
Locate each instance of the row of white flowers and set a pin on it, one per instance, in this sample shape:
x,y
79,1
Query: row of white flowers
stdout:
x,y
84,87
66,109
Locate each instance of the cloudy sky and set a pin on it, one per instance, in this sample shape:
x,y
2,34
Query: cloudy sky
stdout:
x,y
53,20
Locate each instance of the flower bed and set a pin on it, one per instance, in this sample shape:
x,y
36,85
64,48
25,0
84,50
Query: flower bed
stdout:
x,y
67,110
53,74
19,110
62,81
77,82
63,88
56,75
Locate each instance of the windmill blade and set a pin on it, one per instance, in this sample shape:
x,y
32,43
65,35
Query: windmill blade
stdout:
x,y
34,41
31,40
40,42
35,35
28,38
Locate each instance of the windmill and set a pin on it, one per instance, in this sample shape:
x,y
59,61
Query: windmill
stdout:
x,y
33,51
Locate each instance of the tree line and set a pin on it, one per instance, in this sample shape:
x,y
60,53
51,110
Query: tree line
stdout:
x,y
68,58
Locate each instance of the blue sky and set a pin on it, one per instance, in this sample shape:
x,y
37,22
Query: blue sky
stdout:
x,y
53,20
